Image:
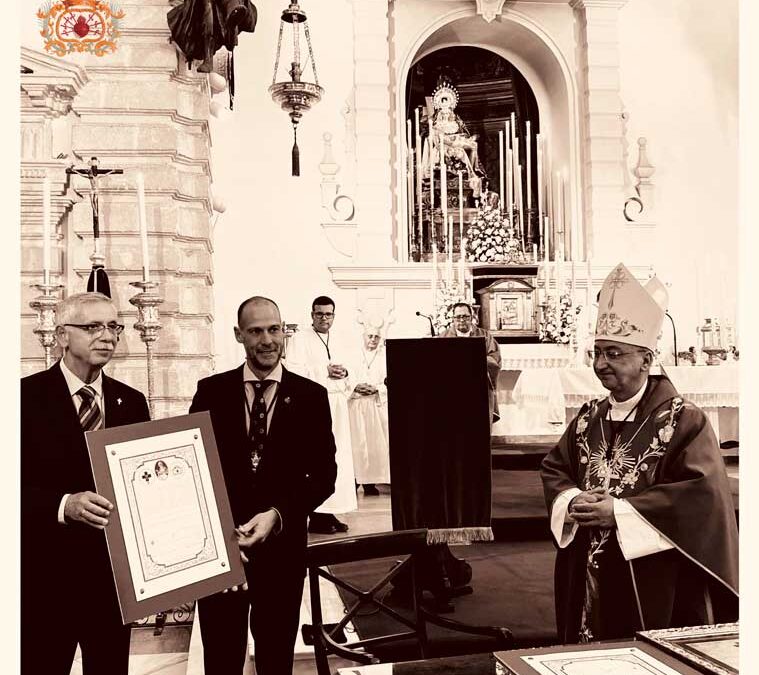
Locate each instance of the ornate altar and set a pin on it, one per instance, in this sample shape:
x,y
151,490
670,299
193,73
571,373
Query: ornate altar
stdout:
x,y
508,300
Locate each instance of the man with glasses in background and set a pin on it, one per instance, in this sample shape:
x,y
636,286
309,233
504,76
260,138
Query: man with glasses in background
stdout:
x,y
637,491
462,326
64,557
320,354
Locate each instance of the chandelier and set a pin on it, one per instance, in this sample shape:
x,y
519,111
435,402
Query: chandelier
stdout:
x,y
294,95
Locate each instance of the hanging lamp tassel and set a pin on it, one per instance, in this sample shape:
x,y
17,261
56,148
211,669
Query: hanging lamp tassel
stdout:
x,y
296,153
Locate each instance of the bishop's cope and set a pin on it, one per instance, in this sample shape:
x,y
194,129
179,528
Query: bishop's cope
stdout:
x,y
637,491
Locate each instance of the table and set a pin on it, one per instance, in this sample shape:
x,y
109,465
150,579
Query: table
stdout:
x,y
557,393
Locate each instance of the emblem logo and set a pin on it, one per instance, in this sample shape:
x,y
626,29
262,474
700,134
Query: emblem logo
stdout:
x,y
82,26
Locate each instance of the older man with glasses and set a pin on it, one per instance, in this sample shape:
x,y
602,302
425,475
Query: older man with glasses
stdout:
x,y
64,557
637,491
462,325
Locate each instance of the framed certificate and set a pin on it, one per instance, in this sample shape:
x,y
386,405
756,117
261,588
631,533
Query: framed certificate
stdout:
x,y
171,534
710,649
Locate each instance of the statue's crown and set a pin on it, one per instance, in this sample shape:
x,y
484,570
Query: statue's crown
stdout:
x,y
445,95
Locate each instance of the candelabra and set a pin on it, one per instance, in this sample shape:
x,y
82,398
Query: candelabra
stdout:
x,y
148,325
44,305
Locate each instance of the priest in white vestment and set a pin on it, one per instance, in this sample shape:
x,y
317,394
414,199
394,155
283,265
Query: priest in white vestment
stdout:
x,y
321,355
368,413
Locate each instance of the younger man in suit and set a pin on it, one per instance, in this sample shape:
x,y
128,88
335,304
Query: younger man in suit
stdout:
x,y
273,431
64,557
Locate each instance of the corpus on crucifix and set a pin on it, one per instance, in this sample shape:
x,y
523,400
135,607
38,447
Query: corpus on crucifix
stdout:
x,y
98,279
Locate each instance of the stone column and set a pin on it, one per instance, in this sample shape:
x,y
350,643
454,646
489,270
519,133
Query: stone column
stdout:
x,y
602,129
373,196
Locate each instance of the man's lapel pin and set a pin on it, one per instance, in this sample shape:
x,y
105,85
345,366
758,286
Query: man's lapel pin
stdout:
x,y
287,399
118,401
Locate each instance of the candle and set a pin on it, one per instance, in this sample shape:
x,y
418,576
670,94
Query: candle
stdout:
x,y
572,283
461,206
46,229
500,169
433,284
535,253
559,211
410,182
443,186
143,226
588,289
547,282
510,186
539,152
462,281
419,178
513,130
449,271
432,184
522,227
528,149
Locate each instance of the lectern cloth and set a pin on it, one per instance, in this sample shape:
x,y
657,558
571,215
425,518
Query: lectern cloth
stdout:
x,y
667,465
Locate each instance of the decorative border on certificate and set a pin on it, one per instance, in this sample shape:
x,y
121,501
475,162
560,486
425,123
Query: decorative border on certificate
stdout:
x,y
711,649
171,536
622,661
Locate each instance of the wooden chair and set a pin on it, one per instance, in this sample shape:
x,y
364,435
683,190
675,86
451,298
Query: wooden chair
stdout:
x,y
411,543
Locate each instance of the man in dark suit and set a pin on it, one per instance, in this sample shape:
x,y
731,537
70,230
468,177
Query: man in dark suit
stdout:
x,y
273,430
65,568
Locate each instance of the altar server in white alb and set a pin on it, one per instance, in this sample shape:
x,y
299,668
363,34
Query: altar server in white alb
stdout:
x,y
368,412
321,355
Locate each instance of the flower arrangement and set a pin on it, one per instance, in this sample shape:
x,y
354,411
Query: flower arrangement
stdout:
x,y
490,238
559,322
448,295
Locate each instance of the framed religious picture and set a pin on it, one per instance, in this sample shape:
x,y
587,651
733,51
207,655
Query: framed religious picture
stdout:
x,y
711,649
171,536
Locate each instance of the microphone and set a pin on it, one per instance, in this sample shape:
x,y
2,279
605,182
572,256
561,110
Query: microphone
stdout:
x,y
674,334
429,318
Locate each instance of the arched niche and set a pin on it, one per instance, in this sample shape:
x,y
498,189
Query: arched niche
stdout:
x,y
521,41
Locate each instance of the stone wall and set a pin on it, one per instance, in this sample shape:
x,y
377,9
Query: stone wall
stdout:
x,y
138,109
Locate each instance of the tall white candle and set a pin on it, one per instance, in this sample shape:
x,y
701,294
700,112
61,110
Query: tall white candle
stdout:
x,y
443,186
589,291
143,226
433,283
419,172
513,130
461,207
510,186
535,253
539,153
410,181
547,283
528,150
433,229
522,227
449,275
573,284
559,210
46,229
462,281
500,169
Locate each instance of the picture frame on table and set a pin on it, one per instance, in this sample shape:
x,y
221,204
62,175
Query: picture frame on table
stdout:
x,y
711,649
171,536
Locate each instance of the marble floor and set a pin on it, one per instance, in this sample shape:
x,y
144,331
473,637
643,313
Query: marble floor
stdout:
x,y
373,515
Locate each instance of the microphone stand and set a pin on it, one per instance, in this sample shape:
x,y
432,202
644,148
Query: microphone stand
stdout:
x,y
432,325
674,333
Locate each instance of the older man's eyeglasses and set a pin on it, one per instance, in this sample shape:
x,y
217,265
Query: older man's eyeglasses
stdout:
x,y
95,330
611,355
324,315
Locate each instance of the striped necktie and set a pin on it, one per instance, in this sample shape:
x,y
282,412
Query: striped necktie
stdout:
x,y
90,415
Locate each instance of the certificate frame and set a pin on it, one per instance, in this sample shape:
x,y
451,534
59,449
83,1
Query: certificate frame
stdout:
x,y
690,643
198,555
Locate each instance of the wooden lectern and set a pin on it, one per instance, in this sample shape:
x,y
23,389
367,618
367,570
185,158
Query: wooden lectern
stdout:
x,y
439,424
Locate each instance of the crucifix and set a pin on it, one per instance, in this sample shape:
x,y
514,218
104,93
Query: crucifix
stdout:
x,y
98,279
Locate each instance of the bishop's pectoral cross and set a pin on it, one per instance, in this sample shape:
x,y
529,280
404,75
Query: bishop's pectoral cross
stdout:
x,y
98,279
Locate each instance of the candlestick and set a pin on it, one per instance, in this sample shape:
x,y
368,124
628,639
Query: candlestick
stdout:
x,y
521,205
500,169
510,187
410,182
434,276
46,229
528,150
443,185
589,291
433,229
143,227
148,325
44,306
419,181
535,253
449,273
541,224
462,280
513,130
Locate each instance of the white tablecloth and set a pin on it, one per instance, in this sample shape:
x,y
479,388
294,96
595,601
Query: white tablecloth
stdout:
x,y
555,390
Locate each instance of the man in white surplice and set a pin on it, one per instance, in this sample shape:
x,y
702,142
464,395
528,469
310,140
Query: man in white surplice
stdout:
x,y
320,355
368,413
